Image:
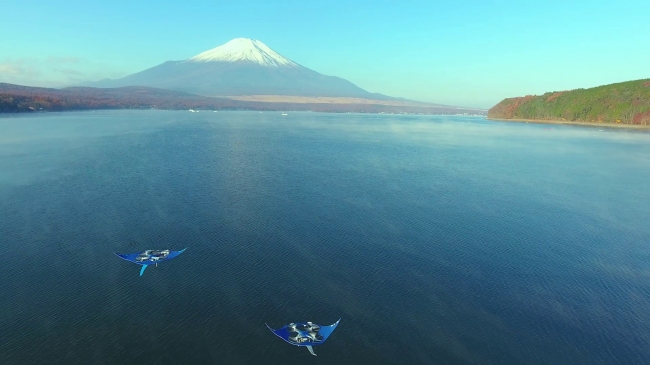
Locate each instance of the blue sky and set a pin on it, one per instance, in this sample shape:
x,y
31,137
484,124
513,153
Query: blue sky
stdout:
x,y
469,53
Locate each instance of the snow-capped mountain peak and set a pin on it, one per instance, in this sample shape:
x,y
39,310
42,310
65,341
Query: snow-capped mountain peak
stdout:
x,y
246,50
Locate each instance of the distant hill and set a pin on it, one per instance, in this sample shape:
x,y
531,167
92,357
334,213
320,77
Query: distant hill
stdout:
x,y
17,98
625,103
241,67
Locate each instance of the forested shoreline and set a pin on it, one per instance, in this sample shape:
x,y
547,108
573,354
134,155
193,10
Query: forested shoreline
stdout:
x,y
621,103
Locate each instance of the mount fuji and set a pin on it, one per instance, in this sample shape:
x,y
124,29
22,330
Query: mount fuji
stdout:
x,y
241,67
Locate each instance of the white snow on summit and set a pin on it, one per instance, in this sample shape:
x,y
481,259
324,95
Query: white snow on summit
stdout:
x,y
243,49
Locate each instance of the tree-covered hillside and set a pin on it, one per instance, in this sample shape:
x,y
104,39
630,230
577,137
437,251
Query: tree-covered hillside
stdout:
x,y
625,102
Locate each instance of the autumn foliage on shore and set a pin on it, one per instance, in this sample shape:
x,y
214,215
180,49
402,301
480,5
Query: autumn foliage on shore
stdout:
x,y
626,103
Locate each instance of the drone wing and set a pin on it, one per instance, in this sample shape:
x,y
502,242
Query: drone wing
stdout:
x,y
173,254
326,331
129,257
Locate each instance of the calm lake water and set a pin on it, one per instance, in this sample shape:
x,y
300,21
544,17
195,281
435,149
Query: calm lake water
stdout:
x,y
436,240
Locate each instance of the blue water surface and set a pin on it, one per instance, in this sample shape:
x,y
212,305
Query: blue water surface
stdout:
x,y
437,240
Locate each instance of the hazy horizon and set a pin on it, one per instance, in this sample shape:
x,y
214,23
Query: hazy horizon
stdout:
x,y
463,53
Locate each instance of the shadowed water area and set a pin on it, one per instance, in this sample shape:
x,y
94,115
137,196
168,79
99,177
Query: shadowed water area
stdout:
x,y
436,240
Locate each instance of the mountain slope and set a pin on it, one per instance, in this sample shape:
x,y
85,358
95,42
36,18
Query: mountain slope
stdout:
x,y
626,103
241,67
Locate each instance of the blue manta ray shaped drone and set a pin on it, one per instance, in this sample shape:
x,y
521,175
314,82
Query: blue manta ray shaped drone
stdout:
x,y
149,257
305,334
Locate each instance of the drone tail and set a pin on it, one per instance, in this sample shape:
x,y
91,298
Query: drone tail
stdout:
x,y
311,350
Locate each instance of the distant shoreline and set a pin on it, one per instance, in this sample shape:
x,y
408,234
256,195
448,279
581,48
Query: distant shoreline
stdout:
x,y
354,109
544,121
18,98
